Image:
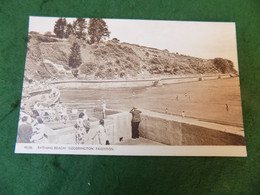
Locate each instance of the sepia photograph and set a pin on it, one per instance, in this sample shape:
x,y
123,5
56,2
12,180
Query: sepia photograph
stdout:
x,y
96,86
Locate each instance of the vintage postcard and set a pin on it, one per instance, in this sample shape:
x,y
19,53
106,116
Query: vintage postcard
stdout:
x,y
131,87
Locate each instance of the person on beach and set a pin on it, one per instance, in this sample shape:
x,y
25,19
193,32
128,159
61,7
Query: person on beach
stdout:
x,y
25,131
100,134
82,127
136,119
39,134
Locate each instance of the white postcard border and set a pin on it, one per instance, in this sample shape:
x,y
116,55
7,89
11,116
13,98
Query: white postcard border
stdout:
x,y
231,151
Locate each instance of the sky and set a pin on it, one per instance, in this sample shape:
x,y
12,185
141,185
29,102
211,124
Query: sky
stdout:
x,y
206,40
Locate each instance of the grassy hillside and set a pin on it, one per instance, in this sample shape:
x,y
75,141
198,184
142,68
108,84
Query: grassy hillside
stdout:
x,y
47,57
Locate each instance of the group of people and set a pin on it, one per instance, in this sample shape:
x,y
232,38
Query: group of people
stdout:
x,y
55,112
85,134
31,130
31,127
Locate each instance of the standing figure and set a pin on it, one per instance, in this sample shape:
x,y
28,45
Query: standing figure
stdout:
x,y
36,108
24,131
64,115
227,108
136,119
82,126
60,111
101,134
183,114
39,135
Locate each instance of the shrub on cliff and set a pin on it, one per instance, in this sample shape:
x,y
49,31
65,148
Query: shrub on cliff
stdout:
x,y
156,69
223,65
75,58
88,68
42,38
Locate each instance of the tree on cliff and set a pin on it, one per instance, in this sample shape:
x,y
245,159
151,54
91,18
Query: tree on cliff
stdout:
x,y
69,30
75,58
59,27
79,28
97,29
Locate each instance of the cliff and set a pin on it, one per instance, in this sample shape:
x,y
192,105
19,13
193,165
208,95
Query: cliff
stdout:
x,y
47,57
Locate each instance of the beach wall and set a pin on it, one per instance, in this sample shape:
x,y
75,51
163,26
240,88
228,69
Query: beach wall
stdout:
x,y
99,84
118,127
176,131
102,84
173,130
161,128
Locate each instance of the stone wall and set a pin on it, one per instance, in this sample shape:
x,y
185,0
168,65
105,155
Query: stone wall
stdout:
x,y
161,130
173,130
99,84
118,126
